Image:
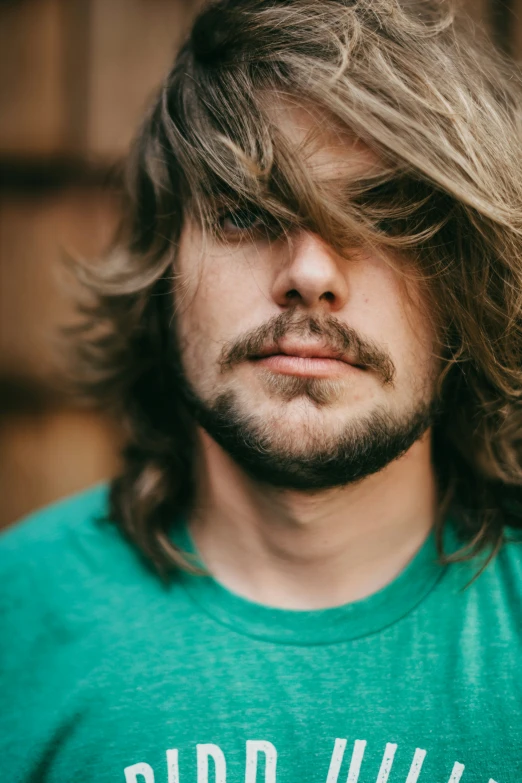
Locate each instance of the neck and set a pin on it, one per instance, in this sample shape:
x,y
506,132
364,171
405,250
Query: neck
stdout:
x,y
297,550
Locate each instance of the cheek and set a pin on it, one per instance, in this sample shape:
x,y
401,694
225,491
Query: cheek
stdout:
x,y
415,344
391,311
419,329
213,302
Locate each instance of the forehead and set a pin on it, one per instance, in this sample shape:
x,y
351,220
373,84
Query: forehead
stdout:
x,y
331,151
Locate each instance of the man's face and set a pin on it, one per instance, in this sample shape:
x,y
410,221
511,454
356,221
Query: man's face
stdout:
x,y
311,369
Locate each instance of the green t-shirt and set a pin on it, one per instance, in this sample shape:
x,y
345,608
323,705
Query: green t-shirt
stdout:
x,y
108,675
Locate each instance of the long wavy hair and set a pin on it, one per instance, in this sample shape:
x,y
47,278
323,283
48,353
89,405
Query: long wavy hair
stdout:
x,y
443,112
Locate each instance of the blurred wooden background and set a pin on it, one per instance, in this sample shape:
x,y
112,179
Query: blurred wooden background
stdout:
x,y
75,76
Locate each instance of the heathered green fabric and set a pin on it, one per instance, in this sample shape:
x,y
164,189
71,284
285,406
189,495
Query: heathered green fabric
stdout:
x,y
109,676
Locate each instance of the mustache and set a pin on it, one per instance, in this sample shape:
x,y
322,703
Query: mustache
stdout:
x,y
334,334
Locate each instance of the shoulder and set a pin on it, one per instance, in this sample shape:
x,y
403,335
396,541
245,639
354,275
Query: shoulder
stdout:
x,y
65,564
60,538
50,529
498,588
508,562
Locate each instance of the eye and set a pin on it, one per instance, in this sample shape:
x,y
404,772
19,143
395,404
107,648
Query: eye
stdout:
x,y
242,219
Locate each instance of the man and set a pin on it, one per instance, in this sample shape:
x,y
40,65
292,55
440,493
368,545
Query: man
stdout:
x,y
309,568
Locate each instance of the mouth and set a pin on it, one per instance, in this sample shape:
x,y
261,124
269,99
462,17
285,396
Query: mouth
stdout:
x,y
306,361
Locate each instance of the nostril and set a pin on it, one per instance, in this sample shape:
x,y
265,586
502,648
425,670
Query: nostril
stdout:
x,y
328,296
292,294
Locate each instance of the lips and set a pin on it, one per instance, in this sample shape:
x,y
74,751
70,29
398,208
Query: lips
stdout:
x,y
312,360
305,352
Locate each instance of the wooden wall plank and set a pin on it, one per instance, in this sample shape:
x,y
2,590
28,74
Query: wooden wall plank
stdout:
x,y
36,230
33,111
46,456
133,44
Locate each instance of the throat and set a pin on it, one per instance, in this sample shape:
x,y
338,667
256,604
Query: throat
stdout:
x,y
310,550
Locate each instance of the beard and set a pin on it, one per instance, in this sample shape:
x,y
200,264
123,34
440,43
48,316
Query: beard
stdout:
x,y
322,461
362,448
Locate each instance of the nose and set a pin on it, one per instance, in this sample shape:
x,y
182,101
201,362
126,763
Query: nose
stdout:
x,y
312,275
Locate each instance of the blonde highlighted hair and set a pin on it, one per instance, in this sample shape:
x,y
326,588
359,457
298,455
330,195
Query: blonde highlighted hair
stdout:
x,y
442,111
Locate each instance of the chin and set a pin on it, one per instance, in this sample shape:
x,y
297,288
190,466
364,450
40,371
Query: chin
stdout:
x,y
304,412
301,445
299,427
